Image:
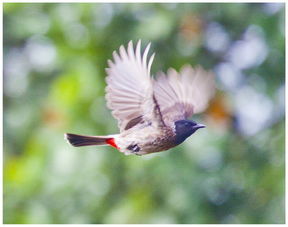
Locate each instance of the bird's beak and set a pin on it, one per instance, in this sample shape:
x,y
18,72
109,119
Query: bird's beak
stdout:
x,y
199,126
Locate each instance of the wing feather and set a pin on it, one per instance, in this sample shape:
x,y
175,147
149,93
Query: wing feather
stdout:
x,y
132,96
129,88
179,95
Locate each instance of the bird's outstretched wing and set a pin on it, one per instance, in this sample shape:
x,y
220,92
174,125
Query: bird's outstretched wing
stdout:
x,y
129,90
182,94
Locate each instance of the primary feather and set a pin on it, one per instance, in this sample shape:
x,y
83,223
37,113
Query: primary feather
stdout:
x,y
182,94
134,97
129,90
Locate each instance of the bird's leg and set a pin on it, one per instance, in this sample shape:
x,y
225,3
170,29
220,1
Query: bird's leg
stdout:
x,y
134,148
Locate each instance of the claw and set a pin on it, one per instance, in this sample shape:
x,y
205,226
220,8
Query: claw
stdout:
x,y
134,147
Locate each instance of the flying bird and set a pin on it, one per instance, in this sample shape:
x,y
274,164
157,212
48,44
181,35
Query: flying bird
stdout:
x,y
152,113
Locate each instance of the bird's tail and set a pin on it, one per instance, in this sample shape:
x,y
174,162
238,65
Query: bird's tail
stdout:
x,y
79,140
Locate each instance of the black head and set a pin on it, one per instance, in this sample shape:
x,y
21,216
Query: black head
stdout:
x,y
185,128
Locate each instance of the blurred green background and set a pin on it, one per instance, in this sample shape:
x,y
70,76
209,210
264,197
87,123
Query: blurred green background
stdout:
x,y
54,79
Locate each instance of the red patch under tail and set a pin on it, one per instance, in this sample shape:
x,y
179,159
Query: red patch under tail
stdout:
x,y
112,143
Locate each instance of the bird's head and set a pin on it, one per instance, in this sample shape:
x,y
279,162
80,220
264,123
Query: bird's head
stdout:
x,y
185,128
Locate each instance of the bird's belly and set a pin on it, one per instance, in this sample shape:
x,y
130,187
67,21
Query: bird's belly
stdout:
x,y
147,140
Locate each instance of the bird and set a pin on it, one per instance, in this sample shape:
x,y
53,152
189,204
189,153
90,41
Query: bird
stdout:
x,y
152,111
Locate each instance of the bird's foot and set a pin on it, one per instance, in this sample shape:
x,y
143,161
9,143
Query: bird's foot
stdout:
x,y
134,148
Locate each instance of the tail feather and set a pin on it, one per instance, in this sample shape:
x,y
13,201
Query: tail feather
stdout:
x,y
79,140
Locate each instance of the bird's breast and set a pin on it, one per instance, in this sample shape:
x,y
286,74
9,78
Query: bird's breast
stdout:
x,y
146,140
